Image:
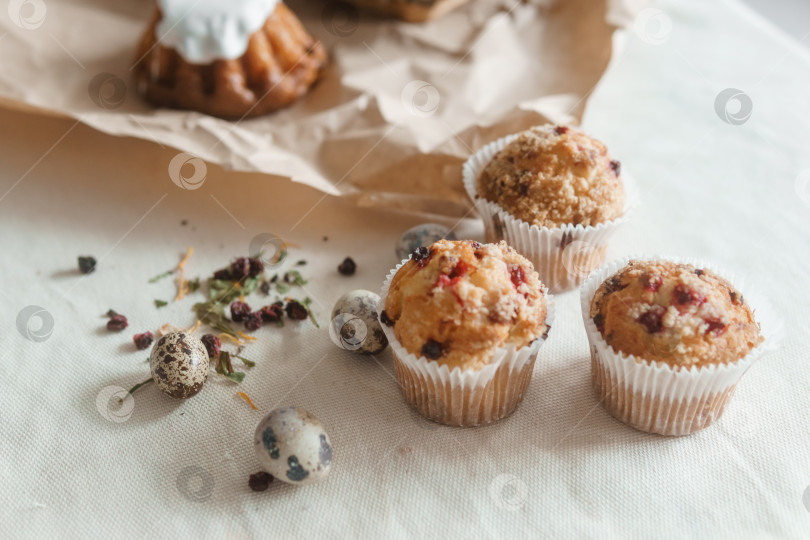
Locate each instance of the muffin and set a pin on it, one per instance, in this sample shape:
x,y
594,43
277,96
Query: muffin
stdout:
x,y
412,10
669,342
465,321
553,193
235,59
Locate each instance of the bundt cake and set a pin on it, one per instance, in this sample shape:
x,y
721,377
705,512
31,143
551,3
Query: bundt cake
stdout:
x,y
226,58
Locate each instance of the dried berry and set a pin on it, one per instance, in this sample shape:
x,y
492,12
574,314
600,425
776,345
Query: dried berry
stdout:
x,y
616,167
517,275
87,264
240,268
347,267
475,245
459,270
599,321
143,341
271,313
260,481
212,344
651,283
223,274
613,284
265,288
560,130
253,321
715,325
653,319
432,349
421,255
117,323
296,311
239,310
385,319
698,272
256,267
684,296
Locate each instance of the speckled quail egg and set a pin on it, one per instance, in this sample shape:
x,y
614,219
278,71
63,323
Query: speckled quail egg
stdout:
x,y
422,235
179,364
355,326
292,445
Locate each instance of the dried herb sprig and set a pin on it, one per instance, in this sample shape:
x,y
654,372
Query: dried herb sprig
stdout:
x,y
213,314
139,385
225,368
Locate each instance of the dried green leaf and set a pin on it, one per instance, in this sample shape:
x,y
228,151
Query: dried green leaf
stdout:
x,y
248,363
193,284
236,376
307,301
160,303
282,288
162,275
225,292
213,314
294,277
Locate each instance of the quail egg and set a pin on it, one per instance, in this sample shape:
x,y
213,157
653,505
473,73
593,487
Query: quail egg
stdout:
x,y
355,326
292,445
179,364
422,236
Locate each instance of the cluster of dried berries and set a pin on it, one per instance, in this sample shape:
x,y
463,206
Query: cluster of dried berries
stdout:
x,y
253,320
241,269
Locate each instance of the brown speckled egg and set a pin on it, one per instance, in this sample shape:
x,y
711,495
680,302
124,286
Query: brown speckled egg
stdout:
x,y
292,445
179,364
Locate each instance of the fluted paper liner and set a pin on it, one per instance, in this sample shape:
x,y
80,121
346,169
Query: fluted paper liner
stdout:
x,y
463,397
564,255
653,396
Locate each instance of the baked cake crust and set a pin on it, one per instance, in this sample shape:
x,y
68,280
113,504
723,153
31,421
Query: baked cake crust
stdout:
x,y
457,301
281,63
674,313
555,175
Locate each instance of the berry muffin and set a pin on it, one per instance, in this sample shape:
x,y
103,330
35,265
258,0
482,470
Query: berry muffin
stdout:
x,y
555,194
465,321
235,59
669,341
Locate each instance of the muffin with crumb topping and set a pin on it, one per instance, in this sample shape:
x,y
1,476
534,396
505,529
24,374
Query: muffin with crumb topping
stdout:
x,y
465,321
555,194
669,342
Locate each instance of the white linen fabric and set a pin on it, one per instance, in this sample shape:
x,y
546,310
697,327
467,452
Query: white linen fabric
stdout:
x,y
716,184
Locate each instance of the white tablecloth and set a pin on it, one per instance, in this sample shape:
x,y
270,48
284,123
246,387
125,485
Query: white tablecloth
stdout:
x,y
737,195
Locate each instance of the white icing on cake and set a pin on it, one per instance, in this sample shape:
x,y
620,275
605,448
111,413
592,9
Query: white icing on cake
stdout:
x,y
206,30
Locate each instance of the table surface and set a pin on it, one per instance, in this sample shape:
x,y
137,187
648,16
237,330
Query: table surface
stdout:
x,y
733,192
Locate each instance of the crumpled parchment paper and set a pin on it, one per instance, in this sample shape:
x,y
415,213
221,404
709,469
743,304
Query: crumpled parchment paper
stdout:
x,y
397,111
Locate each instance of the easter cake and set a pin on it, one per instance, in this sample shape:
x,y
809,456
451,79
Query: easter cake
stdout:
x,y
235,59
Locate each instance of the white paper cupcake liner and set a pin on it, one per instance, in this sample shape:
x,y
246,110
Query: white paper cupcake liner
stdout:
x,y
459,397
654,397
563,256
